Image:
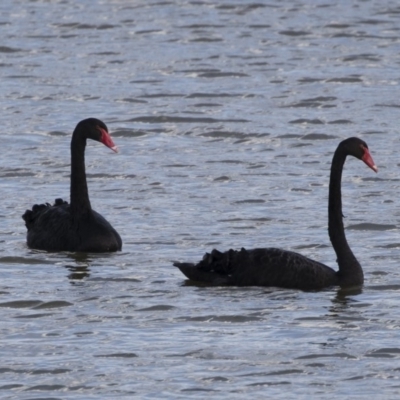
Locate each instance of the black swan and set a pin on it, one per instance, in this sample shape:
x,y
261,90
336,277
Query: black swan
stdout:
x,y
74,226
287,269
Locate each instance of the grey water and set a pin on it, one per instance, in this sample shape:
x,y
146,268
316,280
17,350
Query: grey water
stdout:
x,y
227,114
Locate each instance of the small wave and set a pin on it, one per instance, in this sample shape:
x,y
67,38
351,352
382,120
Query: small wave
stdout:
x,y
179,165
389,352
222,75
161,307
371,227
6,49
222,318
314,121
294,33
206,40
340,121
349,79
15,173
21,304
258,384
254,201
11,386
100,279
168,119
35,304
338,26
309,80
130,100
315,102
362,57
22,260
300,190
148,31
201,95
227,161
229,134
390,246
53,304
333,355
388,105
318,136
273,373
159,95
46,387
77,25
207,105
311,246
223,178
201,26
33,316
289,136
117,355
384,287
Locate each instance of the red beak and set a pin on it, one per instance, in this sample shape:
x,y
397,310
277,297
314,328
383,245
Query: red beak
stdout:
x,y
367,158
106,140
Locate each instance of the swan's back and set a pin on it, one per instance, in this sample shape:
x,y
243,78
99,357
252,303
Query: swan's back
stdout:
x,y
54,228
260,267
49,226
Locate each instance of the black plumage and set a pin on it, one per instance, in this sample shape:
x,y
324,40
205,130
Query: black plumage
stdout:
x,y
74,226
287,269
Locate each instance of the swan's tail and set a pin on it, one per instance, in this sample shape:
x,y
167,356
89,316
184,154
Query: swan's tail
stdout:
x,y
213,268
194,273
30,216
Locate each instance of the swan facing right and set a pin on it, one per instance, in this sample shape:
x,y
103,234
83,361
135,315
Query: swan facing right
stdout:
x,y
75,226
287,269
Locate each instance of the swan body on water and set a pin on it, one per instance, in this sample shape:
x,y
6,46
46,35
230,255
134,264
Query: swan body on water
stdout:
x,y
74,226
287,269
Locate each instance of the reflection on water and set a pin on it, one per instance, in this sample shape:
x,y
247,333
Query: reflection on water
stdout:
x,y
344,294
78,272
227,116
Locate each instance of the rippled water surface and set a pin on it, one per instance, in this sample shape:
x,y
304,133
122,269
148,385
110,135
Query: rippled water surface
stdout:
x,y
227,114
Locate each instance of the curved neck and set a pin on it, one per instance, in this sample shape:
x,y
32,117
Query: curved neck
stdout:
x,y
80,202
350,271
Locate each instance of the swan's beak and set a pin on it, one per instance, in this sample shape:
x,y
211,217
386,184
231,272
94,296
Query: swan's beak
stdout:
x,y
367,158
115,150
106,140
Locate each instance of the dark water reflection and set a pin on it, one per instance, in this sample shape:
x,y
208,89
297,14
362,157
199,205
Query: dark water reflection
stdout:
x,y
78,272
227,116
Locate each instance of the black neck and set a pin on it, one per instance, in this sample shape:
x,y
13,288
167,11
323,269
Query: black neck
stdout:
x,y
80,202
350,271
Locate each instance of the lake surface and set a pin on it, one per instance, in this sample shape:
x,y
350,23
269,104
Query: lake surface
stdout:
x,y
227,114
